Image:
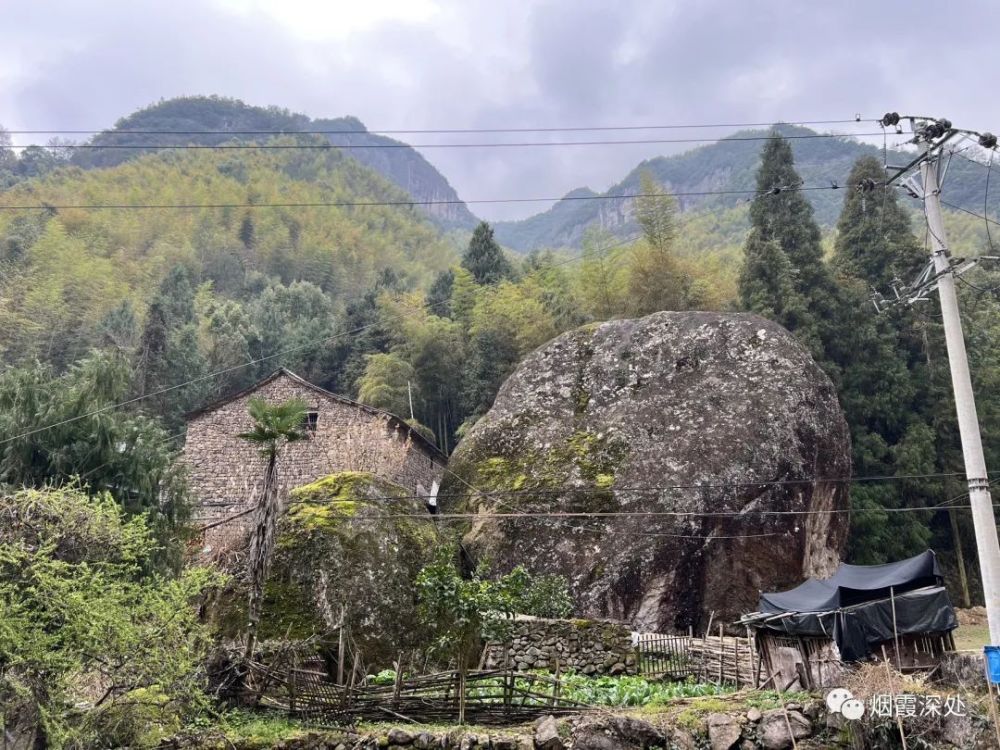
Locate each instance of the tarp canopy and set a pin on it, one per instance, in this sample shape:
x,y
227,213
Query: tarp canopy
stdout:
x,y
859,629
853,584
854,607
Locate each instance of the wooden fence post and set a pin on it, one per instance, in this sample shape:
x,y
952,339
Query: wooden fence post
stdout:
x,y
341,648
722,653
398,681
291,684
555,686
461,689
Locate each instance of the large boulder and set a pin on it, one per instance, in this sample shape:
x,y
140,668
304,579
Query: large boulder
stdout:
x,y
677,412
349,543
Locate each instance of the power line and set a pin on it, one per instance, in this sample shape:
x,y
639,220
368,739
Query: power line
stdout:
x,y
489,494
970,212
398,145
405,203
333,337
571,515
250,363
430,131
192,381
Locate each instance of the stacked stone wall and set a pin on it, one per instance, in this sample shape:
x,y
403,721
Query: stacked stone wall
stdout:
x,y
590,647
225,471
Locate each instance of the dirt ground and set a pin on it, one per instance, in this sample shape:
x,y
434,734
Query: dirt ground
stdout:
x,y
973,632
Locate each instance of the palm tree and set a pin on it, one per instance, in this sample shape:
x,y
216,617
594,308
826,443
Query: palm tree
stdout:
x,y
274,426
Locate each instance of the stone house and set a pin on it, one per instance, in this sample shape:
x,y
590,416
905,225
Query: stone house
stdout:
x,y
225,472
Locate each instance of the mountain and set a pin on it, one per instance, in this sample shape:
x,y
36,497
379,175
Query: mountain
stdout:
x,y
205,120
729,164
64,271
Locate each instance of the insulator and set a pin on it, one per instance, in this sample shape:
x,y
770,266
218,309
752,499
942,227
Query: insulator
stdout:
x,y
867,185
932,130
988,140
945,123
889,119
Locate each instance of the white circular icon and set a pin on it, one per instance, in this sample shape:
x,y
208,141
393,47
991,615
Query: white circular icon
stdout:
x,y
836,697
852,709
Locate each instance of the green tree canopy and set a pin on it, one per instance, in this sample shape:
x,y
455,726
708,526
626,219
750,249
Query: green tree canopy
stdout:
x,y
58,427
94,652
484,259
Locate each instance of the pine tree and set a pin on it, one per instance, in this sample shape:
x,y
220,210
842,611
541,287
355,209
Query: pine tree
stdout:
x,y
881,361
781,212
167,353
248,233
484,259
783,224
767,284
439,295
874,240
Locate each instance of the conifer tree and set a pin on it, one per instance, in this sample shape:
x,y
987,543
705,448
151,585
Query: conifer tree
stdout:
x,y
874,239
439,295
766,284
783,226
484,259
881,360
167,353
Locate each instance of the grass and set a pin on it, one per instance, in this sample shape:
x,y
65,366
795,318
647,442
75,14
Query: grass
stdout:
x,y
258,728
972,637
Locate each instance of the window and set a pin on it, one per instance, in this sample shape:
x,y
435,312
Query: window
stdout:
x,y
309,422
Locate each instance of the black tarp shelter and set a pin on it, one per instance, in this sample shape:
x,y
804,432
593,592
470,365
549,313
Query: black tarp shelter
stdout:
x,y
861,606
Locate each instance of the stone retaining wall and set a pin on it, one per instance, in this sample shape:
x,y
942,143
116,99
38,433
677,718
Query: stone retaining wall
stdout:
x,y
591,647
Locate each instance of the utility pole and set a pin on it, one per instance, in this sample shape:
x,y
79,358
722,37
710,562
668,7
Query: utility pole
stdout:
x,y
931,136
965,403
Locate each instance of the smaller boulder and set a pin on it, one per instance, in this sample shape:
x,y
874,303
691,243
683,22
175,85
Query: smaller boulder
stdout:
x,y
547,735
399,736
774,734
723,731
754,715
616,733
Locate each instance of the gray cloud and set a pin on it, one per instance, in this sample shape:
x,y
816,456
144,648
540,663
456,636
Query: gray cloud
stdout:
x,y
561,62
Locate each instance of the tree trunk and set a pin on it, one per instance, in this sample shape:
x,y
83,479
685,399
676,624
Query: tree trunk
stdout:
x,y
261,544
956,540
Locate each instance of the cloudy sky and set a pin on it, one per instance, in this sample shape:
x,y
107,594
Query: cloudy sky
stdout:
x,y
476,63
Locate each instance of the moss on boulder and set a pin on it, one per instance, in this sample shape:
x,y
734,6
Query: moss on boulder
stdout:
x,y
336,550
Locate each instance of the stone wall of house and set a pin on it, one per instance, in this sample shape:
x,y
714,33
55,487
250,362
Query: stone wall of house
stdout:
x,y
225,472
591,647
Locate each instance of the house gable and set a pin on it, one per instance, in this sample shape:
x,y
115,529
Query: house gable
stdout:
x,y
225,471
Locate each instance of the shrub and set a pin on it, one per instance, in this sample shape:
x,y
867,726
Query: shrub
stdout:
x,y
93,650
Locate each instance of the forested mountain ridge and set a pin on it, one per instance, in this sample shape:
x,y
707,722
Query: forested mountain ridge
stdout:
x,y
727,165
205,120
65,271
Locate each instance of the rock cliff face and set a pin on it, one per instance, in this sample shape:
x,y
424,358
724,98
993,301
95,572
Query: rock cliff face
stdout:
x,y
678,414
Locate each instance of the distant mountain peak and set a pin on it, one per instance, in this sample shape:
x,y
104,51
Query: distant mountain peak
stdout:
x,y
213,120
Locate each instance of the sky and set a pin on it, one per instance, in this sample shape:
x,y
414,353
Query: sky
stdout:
x,y
412,64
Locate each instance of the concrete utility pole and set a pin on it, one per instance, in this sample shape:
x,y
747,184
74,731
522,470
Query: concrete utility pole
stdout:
x,y
965,403
941,276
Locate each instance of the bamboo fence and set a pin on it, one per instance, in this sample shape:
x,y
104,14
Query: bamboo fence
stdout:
x,y
717,659
482,697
